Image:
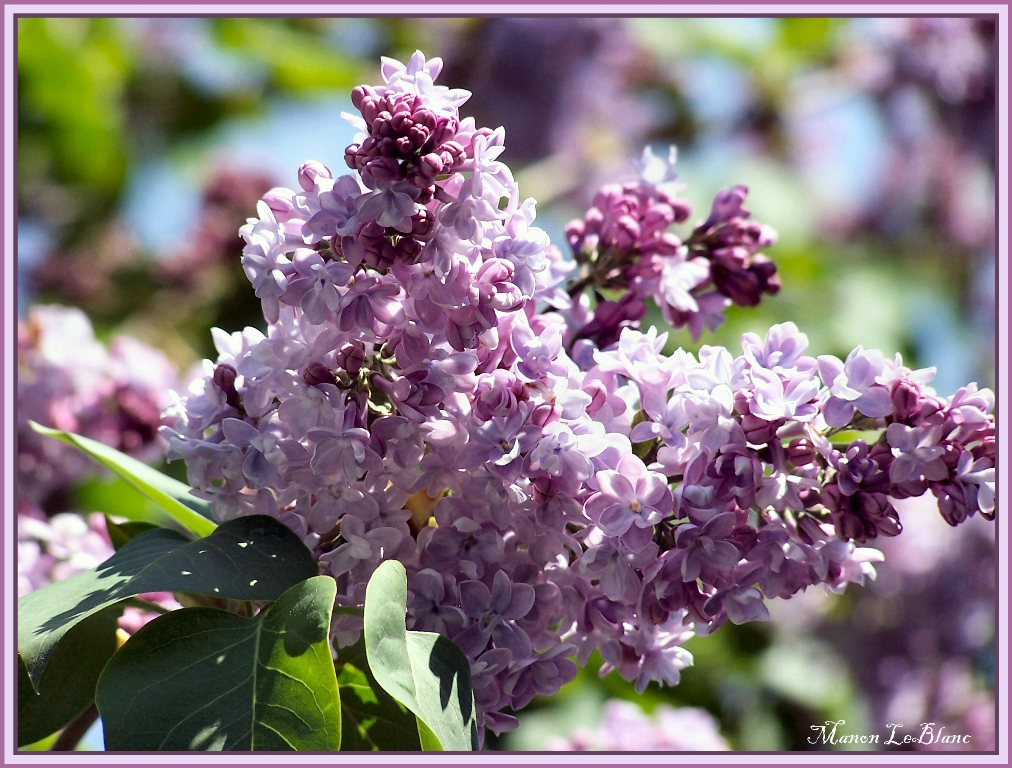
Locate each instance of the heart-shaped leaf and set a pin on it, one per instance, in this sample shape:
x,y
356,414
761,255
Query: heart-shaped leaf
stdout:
x,y
169,494
249,558
424,671
68,686
201,678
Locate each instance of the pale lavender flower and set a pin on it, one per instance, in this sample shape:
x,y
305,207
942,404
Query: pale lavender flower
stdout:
x,y
629,497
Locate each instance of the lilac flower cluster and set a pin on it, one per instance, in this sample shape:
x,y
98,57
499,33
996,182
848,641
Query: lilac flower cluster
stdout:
x,y
69,380
53,548
624,727
624,243
551,493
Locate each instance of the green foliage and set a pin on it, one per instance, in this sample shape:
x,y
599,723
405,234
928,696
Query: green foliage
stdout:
x,y
424,671
208,678
170,495
251,558
371,718
122,533
290,55
201,678
68,685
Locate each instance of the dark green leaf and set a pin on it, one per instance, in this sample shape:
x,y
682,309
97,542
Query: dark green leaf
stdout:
x,y
122,533
249,558
370,718
68,686
200,678
170,494
424,671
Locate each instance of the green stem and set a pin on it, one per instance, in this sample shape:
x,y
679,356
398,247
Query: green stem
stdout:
x,y
73,733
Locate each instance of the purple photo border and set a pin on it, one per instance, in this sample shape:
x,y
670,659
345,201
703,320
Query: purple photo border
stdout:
x,y
8,311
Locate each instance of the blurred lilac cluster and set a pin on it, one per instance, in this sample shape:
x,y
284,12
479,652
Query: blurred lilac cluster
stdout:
x,y
912,667
54,548
624,727
934,80
551,492
226,197
69,380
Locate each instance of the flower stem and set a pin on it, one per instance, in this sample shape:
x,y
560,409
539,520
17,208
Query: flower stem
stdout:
x,y
74,732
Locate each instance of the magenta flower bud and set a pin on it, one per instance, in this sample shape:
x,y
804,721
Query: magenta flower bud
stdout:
x,y
598,396
953,504
310,172
279,200
545,414
431,165
360,94
986,448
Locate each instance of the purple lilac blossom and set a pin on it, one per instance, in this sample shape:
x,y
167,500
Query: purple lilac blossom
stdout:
x,y
624,242
551,491
624,727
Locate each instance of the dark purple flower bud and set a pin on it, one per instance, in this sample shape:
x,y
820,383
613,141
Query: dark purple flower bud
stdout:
x,y
759,431
317,373
351,357
731,242
857,470
955,504
707,550
906,396
611,317
413,396
741,279
985,449
801,452
727,205
407,140
736,470
224,379
137,418
673,593
862,516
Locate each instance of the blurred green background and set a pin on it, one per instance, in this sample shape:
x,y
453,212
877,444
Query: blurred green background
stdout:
x,y
869,144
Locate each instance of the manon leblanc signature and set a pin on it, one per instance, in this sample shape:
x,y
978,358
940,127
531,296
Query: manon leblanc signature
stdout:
x,y
896,734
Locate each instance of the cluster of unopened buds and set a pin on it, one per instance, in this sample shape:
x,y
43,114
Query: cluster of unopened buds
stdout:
x,y
439,384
